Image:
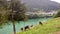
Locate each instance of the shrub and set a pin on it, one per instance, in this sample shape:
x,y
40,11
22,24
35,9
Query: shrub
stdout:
x,y
57,15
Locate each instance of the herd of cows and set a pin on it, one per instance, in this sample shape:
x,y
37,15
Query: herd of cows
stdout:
x,y
29,27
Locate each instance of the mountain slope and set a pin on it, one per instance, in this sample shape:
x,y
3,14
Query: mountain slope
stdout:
x,y
42,4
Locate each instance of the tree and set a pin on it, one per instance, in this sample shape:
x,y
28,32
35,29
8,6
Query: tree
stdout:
x,y
3,10
18,15
14,11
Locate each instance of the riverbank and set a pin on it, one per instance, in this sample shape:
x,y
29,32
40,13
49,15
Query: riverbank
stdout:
x,y
49,27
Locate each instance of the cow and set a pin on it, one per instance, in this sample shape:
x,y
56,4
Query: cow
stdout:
x,y
26,27
40,23
22,29
31,26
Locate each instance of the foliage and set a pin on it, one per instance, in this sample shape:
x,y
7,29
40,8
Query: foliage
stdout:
x,y
6,8
58,14
13,11
3,10
18,11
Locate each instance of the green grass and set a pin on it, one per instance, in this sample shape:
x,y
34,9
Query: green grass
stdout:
x,y
49,27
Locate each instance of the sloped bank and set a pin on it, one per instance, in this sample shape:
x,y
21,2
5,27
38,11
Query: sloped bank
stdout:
x,y
49,27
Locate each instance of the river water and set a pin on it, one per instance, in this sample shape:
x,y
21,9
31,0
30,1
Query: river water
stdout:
x,y
8,29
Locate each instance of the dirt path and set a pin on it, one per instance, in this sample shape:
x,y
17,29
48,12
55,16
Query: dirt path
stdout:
x,y
58,32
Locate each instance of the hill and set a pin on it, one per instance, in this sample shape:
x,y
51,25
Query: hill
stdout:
x,y
46,5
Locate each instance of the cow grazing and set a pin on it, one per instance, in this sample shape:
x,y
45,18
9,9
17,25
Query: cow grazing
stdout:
x,y
22,29
31,25
40,23
27,27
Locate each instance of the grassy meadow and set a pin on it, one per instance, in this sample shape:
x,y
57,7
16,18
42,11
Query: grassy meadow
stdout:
x,y
48,27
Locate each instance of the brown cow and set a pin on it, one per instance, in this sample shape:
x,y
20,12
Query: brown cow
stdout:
x,y
31,25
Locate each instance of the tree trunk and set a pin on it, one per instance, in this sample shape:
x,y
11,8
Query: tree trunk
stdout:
x,y
14,29
12,4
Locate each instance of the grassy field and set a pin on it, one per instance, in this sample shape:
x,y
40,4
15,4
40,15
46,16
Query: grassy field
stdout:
x,y
49,27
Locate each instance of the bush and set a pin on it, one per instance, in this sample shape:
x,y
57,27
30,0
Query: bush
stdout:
x,y
57,15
